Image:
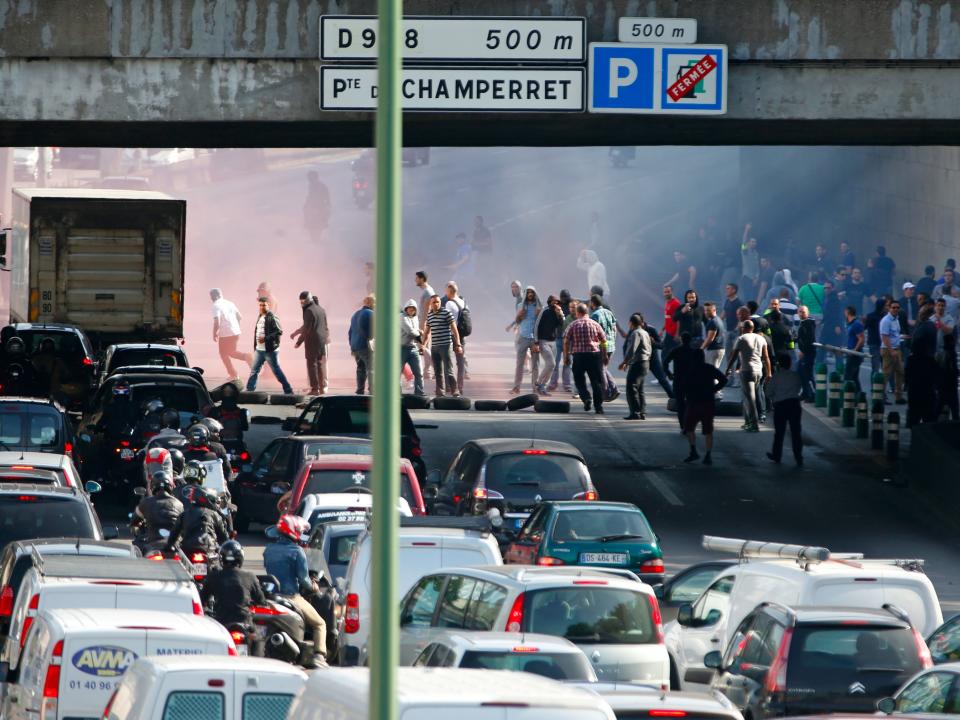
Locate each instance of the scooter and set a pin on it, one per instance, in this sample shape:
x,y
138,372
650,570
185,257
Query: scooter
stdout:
x,y
281,627
362,192
238,455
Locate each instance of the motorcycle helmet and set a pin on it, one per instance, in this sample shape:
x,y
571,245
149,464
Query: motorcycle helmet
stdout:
x,y
204,497
158,458
15,346
194,472
162,481
293,527
231,554
176,458
153,406
170,419
198,435
214,427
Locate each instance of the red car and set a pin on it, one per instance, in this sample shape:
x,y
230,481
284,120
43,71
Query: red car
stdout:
x,y
345,473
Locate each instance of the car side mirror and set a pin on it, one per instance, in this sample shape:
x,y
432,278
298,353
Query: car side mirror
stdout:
x,y
289,424
431,493
85,438
887,705
713,660
685,615
712,618
111,532
140,491
92,486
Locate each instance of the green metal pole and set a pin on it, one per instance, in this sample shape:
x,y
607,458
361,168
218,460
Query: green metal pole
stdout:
x,y
385,618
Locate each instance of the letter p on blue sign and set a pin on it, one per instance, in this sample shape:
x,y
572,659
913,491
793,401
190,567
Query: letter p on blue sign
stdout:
x,y
621,78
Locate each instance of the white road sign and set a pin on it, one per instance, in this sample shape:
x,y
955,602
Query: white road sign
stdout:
x,y
463,39
664,31
452,89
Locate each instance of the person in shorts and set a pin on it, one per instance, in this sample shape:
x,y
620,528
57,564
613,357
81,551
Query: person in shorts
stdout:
x,y
700,384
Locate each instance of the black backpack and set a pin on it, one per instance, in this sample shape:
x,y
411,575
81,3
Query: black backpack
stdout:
x,y
464,322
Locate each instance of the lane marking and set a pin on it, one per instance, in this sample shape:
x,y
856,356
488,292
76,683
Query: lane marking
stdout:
x,y
663,488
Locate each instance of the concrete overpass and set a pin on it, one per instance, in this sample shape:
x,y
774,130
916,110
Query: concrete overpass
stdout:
x,y
245,73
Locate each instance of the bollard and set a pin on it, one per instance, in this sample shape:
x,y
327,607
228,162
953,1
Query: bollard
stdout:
x,y
834,398
863,420
877,382
893,436
820,383
876,431
849,404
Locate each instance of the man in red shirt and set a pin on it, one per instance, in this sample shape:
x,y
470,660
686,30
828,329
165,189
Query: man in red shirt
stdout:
x,y
585,342
670,327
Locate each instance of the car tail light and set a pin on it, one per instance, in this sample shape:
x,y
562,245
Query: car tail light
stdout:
x,y
525,649
652,566
232,650
6,601
668,713
922,650
546,560
27,498
515,618
776,681
586,495
125,443
197,608
656,617
28,620
263,610
21,467
51,684
198,557
480,493
590,582
239,638
68,448
532,451
155,555
216,682
87,361
106,710
244,456
351,618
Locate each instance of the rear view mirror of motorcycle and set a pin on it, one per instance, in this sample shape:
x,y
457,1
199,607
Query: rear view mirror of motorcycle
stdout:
x,y
140,491
85,438
92,486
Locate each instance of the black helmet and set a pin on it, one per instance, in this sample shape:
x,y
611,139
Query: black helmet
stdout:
x,y
15,346
176,457
198,435
231,554
229,390
194,472
170,419
205,497
153,406
213,426
162,481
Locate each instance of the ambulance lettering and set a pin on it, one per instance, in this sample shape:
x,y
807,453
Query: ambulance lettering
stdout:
x,y
104,660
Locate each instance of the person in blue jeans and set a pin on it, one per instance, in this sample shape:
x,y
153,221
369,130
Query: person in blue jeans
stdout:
x,y
266,341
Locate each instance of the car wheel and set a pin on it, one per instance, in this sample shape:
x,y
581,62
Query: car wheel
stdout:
x,y
522,401
415,402
551,406
284,399
253,398
489,405
451,403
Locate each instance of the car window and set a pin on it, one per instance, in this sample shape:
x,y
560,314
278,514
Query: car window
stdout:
x,y
281,461
267,456
341,419
442,657
455,471
193,705
266,706
591,614
422,602
927,694
485,606
423,659
717,597
760,645
341,548
456,600
66,344
556,666
185,398
691,585
44,430
534,524
736,644
945,642
597,523
316,449
550,476
337,481
146,356
10,431
31,516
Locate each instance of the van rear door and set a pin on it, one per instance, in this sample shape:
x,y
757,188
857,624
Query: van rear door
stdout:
x,y
199,695
915,597
92,668
418,557
263,696
166,641
465,552
153,595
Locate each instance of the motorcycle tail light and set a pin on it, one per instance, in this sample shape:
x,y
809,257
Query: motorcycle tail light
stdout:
x,y
198,557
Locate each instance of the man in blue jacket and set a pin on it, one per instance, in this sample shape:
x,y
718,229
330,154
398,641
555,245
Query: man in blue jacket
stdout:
x,y
361,343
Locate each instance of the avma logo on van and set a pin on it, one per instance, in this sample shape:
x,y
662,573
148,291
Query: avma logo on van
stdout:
x,y
104,660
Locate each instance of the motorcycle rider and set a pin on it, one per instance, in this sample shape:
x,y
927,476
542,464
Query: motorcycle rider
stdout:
x,y
231,416
232,589
159,511
201,524
215,443
286,560
194,473
178,463
151,422
198,448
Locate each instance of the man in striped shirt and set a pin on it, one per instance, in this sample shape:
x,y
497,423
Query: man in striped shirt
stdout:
x,y
441,331
586,344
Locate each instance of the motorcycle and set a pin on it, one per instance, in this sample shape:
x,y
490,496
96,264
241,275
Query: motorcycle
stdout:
x,y
281,627
238,455
362,192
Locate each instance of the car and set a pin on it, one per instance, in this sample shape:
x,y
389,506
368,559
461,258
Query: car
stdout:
x,y
793,575
280,461
425,545
33,425
687,585
140,354
72,347
354,506
930,692
349,415
631,700
611,616
813,660
513,475
30,511
21,555
544,655
74,659
330,548
444,693
40,465
165,687
570,532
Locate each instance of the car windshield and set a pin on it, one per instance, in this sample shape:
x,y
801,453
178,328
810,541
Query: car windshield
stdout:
x,y
184,398
28,516
31,476
146,356
338,554
591,614
66,344
601,525
522,475
337,481
22,429
557,666
316,449
833,658
340,419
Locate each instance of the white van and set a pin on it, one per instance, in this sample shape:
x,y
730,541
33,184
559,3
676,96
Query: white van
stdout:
x,y
812,578
73,660
205,688
65,581
444,693
426,544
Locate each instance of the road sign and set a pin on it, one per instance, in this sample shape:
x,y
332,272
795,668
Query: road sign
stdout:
x,y
658,79
657,30
463,39
456,89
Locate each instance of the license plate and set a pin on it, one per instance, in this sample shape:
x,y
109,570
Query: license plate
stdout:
x,y
198,569
126,454
242,649
262,632
604,558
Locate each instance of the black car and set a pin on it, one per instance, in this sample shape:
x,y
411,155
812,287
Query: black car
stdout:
x,y
280,461
73,355
687,586
815,660
349,416
140,354
19,556
35,425
32,511
512,475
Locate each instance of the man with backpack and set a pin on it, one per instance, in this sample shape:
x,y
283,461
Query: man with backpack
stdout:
x,y
457,307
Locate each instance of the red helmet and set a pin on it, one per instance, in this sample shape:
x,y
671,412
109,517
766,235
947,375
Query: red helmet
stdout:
x,y
293,527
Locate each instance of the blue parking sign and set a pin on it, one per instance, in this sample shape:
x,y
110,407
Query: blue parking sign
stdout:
x,y
620,77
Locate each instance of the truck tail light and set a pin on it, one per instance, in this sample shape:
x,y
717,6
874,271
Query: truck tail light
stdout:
x,y
51,684
28,620
197,608
515,619
351,618
6,601
777,674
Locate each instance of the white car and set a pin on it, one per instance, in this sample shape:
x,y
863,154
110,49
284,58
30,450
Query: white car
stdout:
x,y
442,694
629,700
61,465
73,660
544,655
205,687
320,508
613,619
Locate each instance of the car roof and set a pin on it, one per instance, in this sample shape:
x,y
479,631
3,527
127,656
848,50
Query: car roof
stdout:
x,y
139,376
145,346
330,439
530,575
493,641
65,327
629,696
37,459
840,615
592,505
97,620
496,446
45,490
69,545
840,567
18,400
176,370
220,663
334,461
121,568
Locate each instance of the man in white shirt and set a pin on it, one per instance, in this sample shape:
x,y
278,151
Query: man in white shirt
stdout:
x,y
890,351
226,332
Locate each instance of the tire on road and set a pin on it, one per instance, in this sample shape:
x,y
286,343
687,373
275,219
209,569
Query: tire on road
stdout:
x,y
451,403
551,406
522,401
415,402
729,408
489,405
282,399
254,397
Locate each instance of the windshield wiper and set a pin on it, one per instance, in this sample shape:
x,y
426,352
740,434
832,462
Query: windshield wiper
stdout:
x,y
583,638
881,669
528,483
622,536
